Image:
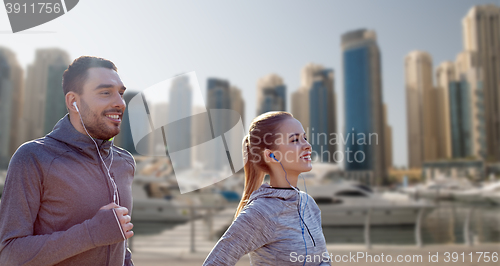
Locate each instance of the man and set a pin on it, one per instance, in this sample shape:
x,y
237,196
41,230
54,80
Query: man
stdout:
x,y
61,205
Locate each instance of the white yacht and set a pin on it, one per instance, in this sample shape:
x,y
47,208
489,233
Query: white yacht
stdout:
x,y
147,209
347,203
493,197
156,195
478,195
441,188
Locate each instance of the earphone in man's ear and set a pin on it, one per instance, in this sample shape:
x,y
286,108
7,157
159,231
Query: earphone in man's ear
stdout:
x,y
74,104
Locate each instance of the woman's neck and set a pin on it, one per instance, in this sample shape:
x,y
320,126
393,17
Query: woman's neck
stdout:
x,y
279,181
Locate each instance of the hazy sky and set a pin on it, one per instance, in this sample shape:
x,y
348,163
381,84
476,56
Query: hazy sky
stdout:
x,y
241,41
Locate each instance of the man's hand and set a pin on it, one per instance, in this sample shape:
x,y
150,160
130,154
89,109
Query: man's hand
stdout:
x,y
124,219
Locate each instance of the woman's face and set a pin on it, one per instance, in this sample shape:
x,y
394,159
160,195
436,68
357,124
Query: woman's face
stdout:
x,y
292,149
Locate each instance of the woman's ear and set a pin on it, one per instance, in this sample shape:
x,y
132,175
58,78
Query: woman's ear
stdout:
x,y
268,155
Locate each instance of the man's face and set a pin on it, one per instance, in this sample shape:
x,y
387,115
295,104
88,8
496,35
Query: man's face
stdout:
x,y
101,103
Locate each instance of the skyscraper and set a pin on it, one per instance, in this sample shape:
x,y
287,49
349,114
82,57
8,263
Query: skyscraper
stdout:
x,y
238,105
237,102
460,118
481,28
388,139
221,95
218,97
469,101
180,107
363,103
124,139
445,73
11,89
271,94
314,105
55,105
422,138
43,90
218,94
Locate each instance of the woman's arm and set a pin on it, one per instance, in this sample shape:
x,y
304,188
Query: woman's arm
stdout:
x,y
252,229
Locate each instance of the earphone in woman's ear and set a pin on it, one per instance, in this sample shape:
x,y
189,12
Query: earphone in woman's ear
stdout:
x,y
272,156
74,104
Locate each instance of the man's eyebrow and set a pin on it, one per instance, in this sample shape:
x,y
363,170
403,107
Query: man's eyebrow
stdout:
x,y
295,134
105,86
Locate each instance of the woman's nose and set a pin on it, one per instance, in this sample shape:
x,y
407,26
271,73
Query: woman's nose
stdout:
x,y
307,145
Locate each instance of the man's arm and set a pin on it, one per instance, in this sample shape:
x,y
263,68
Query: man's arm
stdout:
x,y
18,211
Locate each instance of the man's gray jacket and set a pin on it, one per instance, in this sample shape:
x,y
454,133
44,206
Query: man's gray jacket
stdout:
x,y
49,210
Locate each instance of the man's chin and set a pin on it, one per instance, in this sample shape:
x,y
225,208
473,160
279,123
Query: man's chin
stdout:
x,y
116,132
110,134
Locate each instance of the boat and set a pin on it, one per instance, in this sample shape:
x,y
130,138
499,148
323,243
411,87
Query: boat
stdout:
x,y
492,197
485,194
441,188
148,209
348,203
157,198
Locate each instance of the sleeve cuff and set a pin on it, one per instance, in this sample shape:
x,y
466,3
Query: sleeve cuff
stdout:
x,y
104,228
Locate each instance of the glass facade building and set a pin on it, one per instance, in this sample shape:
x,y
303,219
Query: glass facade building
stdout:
x,y
322,115
364,137
5,109
55,103
274,99
358,106
460,118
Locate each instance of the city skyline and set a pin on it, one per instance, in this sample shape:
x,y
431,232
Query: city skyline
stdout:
x,y
443,40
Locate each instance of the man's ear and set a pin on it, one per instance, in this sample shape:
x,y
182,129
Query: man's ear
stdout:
x,y
70,98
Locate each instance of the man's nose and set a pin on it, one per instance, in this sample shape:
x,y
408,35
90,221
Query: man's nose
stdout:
x,y
119,102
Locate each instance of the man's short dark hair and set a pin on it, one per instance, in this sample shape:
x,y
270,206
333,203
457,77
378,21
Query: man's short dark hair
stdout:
x,y
76,74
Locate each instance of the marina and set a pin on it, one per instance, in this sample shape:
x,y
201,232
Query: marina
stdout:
x,y
442,231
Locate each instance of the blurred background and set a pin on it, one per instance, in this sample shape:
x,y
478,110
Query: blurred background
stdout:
x,y
400,102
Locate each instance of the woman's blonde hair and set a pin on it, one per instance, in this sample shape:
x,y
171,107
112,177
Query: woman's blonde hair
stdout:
x,y
261,135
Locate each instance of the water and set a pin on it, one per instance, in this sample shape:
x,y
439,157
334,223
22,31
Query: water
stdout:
x,y
442,225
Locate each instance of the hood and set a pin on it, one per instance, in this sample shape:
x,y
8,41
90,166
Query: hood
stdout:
x,y
266,191
65,132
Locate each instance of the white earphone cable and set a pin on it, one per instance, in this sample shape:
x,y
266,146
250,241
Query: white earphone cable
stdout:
x,y
116,198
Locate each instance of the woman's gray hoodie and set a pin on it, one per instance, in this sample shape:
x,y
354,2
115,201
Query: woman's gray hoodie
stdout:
x,y
269,229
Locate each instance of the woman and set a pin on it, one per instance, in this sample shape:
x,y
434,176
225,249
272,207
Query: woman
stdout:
x,y
276,223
